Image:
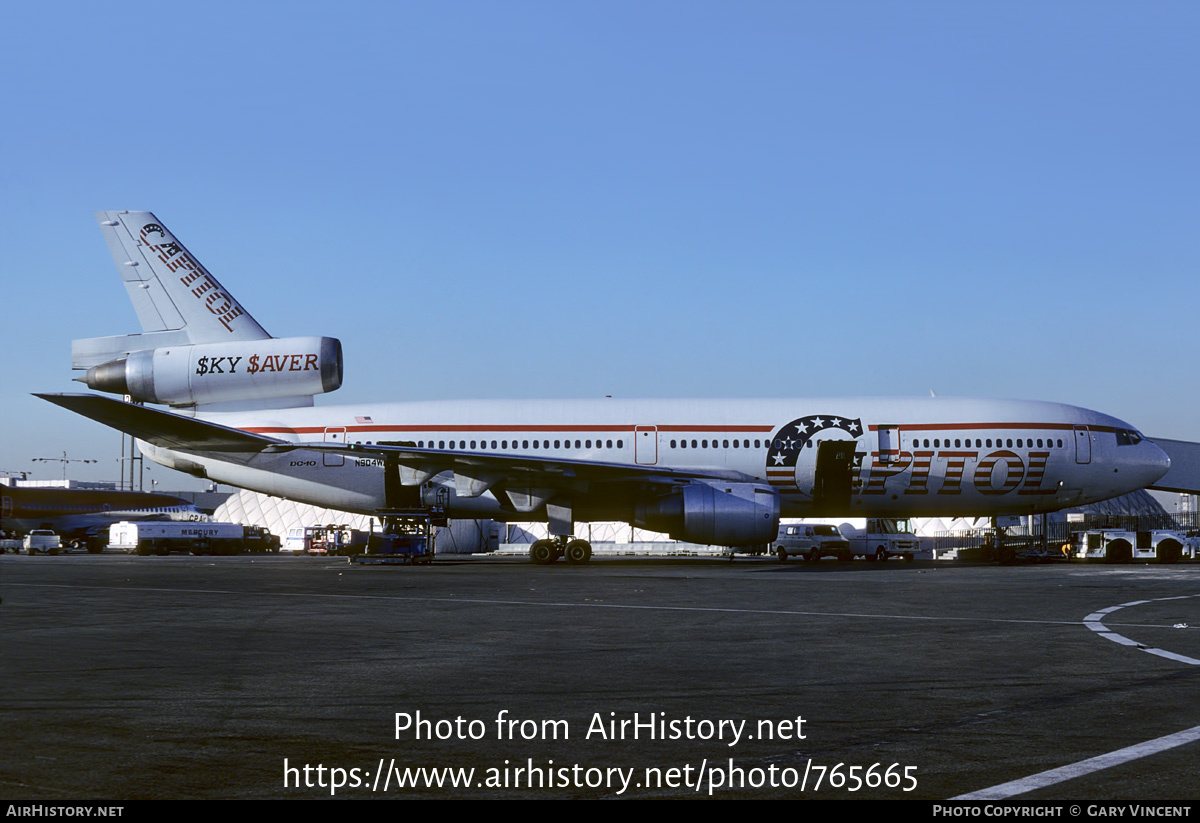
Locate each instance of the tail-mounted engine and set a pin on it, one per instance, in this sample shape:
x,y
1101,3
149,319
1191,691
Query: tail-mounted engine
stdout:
x,y
722,514
205,373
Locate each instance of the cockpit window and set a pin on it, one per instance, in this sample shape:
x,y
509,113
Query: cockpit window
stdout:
x,y
1128,437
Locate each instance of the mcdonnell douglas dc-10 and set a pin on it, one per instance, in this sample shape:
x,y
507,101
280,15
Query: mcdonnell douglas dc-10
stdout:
x,y
718,472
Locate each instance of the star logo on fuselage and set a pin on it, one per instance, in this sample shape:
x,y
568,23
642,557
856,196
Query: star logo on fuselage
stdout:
x,y
785,451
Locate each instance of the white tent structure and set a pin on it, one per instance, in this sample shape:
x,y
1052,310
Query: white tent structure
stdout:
x,y
287,517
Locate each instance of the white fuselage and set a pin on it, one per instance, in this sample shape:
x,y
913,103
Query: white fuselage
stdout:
x,y
900,457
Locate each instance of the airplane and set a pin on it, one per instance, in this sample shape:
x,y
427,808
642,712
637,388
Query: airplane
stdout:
x,y
81,514
709,471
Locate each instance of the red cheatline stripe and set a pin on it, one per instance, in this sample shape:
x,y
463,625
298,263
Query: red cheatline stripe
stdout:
x,y
716,428
982,426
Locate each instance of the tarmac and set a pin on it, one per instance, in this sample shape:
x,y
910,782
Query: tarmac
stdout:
x,y
130,677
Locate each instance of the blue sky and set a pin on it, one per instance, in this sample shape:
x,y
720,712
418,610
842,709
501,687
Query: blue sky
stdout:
x,y
645,199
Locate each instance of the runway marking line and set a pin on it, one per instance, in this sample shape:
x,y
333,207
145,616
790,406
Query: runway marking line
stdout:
x,y
1084,767
1095,622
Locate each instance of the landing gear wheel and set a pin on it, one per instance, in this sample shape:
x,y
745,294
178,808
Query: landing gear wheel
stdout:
x,y
579,551
543,552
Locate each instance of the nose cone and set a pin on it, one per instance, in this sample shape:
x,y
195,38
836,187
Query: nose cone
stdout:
x,y
1147,465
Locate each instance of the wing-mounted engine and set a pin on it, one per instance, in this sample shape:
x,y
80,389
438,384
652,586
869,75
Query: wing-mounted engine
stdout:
x,y
724,514
207,373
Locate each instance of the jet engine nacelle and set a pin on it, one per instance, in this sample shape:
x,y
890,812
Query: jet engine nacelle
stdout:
x,y
218,372
724,514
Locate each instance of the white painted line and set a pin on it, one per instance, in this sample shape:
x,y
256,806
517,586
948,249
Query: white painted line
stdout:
x,y
1093,622
1191,661
1095,764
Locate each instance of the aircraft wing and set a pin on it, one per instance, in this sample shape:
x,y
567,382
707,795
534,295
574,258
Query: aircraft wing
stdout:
x,y
170,431
1184,474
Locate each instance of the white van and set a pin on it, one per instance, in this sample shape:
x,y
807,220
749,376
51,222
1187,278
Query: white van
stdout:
x,y
811,541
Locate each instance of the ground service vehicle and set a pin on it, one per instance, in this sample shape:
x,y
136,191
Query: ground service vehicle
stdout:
x,y
885,537
42,541
164,537
1123,546
811,541
257,540
335,539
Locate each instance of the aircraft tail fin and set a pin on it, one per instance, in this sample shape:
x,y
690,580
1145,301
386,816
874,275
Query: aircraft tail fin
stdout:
x,y
177,300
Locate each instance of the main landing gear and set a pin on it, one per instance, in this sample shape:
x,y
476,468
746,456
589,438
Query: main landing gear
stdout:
x,y
544,552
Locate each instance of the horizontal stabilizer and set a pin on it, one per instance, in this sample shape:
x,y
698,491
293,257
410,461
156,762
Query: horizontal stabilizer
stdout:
x,y
95,351
1184,474
170,431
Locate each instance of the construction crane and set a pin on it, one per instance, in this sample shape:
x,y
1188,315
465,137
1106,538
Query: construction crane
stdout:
x,y
64,460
